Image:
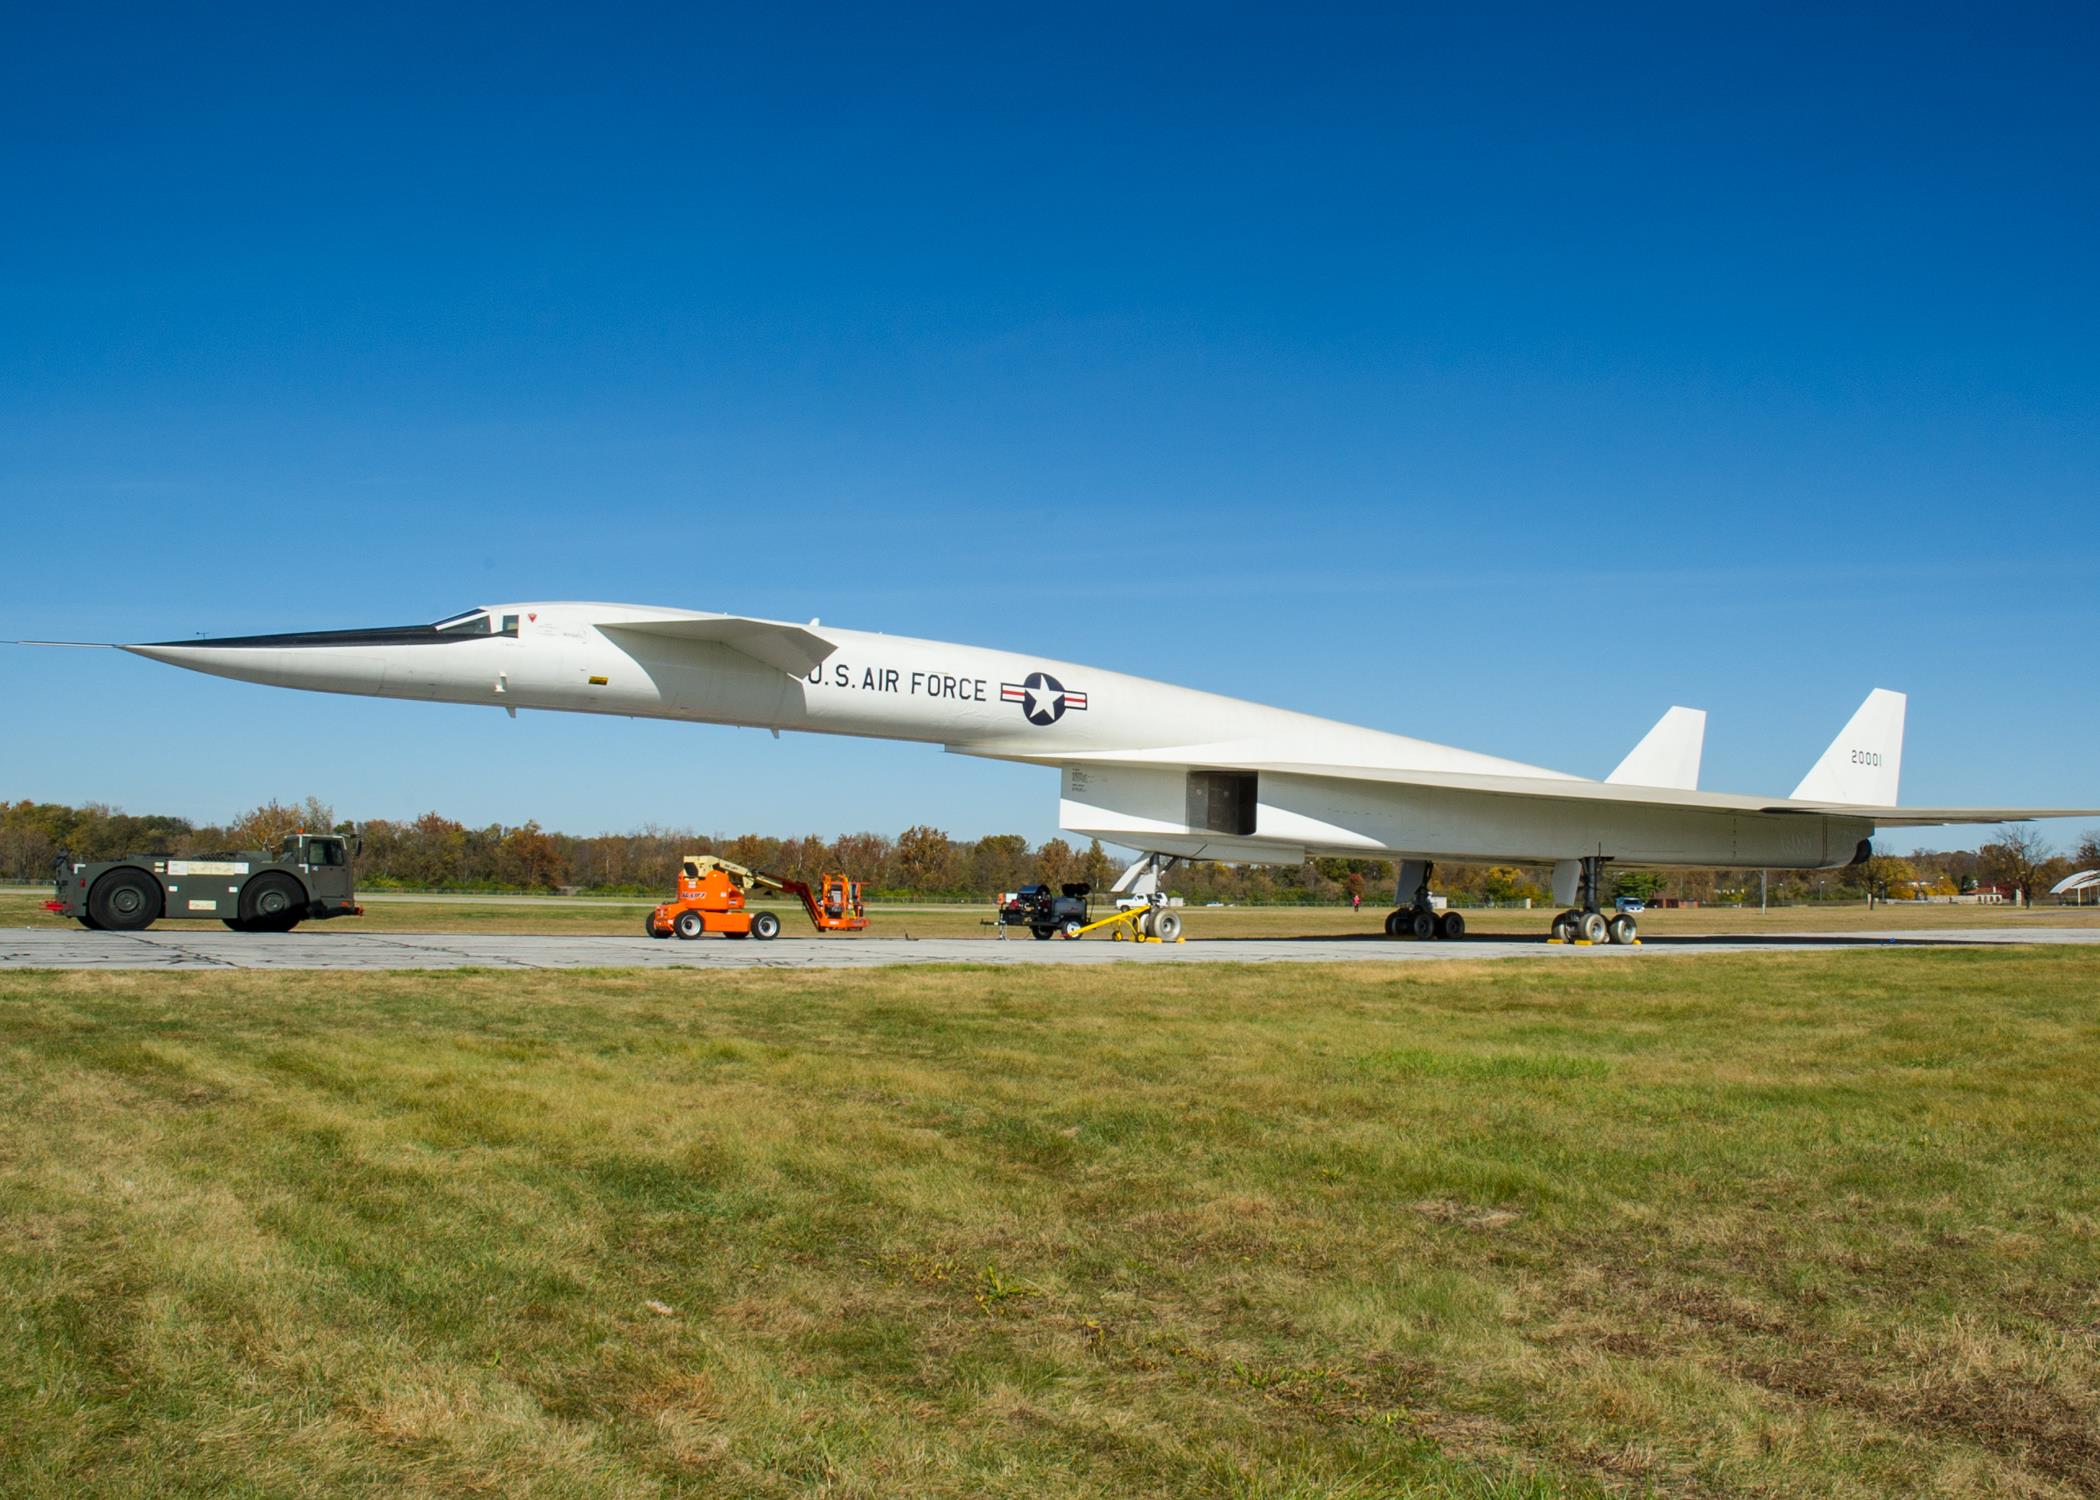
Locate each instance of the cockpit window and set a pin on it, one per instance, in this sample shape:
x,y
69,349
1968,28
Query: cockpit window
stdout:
x,y
475,622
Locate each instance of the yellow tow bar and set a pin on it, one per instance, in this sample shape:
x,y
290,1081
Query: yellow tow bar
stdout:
x,y
1126,926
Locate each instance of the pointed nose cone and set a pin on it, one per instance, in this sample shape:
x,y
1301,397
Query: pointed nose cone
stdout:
x,y
328,669
197,657
203,657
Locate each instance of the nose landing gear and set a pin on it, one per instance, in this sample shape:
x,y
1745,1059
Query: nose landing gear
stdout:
x,y
1585,924
1417,918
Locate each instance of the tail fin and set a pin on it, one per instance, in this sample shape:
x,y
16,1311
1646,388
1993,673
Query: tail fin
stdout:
x,y
1865,761
1668,754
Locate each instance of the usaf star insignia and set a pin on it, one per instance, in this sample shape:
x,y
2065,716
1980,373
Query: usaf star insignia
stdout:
x,y
1043,699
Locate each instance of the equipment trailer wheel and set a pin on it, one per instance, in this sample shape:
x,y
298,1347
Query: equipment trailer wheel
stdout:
x,y
125,901
1043,934
271,903
765,926
1070,927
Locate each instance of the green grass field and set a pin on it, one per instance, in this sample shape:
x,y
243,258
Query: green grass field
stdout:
x,y
1796,1225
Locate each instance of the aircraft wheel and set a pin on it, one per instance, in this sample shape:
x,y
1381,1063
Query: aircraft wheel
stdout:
x,y
124,900
1564,927
1043,934
1166,926
1421,924
1392,924
1624,929
272,903
689,925
765,927
1591,928
1071,927
1450,926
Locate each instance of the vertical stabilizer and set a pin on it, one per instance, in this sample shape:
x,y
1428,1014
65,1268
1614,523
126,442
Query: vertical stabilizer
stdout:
x,y
1668,754
1865,761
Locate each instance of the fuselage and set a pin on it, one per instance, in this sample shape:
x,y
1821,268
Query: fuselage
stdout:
x,y
577,658
1143,763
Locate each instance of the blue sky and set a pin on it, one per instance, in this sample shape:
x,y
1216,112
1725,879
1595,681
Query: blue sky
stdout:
x,y
1495,376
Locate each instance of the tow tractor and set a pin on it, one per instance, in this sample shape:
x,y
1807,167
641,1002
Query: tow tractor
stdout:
x,y
308,877
713,897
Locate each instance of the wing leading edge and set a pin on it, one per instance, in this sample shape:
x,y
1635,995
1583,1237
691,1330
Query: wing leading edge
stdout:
x,y
794,649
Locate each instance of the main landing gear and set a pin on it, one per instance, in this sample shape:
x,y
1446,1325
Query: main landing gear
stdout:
x,y
1417,918
1585,922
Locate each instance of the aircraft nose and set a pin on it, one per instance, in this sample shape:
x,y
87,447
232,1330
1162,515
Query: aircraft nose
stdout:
x,y
174,656
280,665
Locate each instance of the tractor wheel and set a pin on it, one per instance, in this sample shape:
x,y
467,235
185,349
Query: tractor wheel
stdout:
x,y
272,902
765,926
689,925
125,901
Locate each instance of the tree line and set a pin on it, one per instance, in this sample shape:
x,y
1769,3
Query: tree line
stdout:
x,y
434,852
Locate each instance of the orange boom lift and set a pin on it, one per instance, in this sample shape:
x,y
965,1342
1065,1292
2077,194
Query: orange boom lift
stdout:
x,y
712,898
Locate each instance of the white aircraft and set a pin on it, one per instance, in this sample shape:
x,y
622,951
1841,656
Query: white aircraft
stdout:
x,y
1176,773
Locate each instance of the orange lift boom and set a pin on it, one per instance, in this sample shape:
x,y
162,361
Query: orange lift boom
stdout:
x,y
712,897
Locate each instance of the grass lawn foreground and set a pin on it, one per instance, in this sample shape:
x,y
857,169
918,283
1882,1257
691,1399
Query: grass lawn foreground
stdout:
x,y
1819,1224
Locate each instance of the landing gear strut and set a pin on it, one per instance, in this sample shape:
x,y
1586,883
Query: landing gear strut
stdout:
x,y
1585,922
1412,915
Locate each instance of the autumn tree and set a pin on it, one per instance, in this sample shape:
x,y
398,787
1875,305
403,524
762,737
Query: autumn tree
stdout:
x,y
1096,868
263,827
2015,858
1057,863
998,862
527,857
923,859
1882,875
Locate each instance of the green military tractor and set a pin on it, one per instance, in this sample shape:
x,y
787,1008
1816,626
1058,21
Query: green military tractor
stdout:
x,y
308,877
